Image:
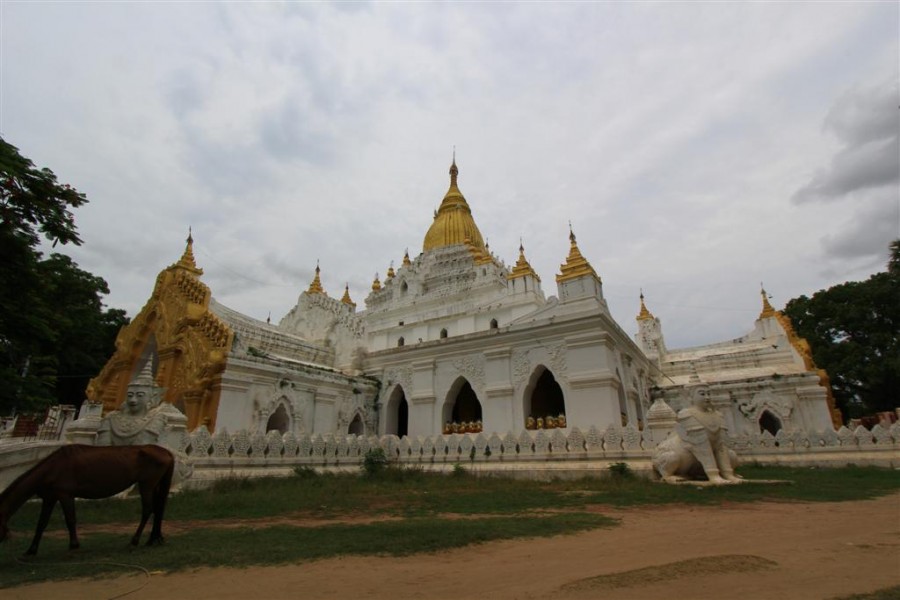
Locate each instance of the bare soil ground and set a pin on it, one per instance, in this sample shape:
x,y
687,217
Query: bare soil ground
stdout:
x,y
764,550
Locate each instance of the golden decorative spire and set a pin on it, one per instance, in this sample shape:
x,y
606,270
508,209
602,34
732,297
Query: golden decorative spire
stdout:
x,y
523,267
406,261
346,299
316,286
644,315
186,262
376,285
453,223
390,271
767,309
576,265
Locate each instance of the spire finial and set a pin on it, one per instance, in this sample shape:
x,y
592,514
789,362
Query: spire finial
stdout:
x,y
316,286
186,261
644,314
767,310
576,265
346,299
454,170
523,267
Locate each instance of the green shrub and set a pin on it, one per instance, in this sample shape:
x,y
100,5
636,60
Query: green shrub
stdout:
x,y
620,470
374,462
304,472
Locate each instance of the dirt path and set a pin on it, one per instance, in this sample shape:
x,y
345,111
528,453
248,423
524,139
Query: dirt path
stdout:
x,y
766,550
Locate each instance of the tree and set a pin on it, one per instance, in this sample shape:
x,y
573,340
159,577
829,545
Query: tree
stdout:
x,y
52,320
853,330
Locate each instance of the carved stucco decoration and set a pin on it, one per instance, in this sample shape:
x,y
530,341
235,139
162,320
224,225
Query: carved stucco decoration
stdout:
x,y
190,343
401,375
521,366
752,407
557,354
472,368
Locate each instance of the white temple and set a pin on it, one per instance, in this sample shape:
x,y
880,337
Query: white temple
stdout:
x,y
452,341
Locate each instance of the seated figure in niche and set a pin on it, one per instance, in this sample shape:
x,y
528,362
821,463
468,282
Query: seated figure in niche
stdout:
x,y
697,445
140,419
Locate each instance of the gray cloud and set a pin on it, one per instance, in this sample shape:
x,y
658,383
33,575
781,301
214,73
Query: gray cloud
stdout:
x,y
673,136
867,121
875,224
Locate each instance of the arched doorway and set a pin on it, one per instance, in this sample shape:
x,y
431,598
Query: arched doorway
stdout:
x,y
397,416
544,397
280,420
769,422
462,404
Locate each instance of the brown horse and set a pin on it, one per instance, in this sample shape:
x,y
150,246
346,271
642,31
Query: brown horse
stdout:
x,y
78,471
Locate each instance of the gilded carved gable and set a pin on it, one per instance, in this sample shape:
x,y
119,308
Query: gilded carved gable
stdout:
x,y
189,342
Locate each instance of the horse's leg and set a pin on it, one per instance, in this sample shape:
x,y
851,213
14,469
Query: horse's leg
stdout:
x,y
68,508
47,505
146,509
160,498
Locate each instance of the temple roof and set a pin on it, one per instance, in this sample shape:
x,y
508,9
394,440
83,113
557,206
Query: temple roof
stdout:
x,y
453,221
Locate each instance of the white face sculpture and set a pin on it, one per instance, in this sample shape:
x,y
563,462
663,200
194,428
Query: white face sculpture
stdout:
x,y
137,400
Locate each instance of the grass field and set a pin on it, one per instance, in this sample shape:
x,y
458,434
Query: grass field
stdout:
x,y
406,512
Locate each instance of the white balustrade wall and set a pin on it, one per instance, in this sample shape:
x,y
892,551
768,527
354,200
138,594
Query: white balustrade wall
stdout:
x,y
539,453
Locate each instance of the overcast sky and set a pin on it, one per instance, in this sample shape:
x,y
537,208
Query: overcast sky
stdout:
x,y
698,149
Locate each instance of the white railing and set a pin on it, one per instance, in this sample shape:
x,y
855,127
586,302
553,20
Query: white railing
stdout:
x,y
612,444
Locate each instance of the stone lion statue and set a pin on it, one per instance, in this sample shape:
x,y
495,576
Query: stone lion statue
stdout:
x,y
697,445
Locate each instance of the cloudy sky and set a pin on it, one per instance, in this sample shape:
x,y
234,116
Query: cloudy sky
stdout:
x,y
698,149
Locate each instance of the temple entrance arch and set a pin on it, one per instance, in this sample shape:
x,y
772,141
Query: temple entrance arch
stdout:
x,y
769,422
543,395
397,413
279,421
462,404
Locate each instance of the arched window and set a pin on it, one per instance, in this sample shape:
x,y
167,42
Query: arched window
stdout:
x,y
400,342
403,287
769,422
356,426
279,421
443,333
494,324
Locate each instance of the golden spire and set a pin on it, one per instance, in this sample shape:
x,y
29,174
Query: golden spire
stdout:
x,y
644,315
390,271
523,267
376,285
767,309
453,223
316,286
186,261
346,299
406,261
576,265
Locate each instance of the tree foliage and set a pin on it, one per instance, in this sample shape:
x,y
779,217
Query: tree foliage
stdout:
x,y
853,330
54,330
